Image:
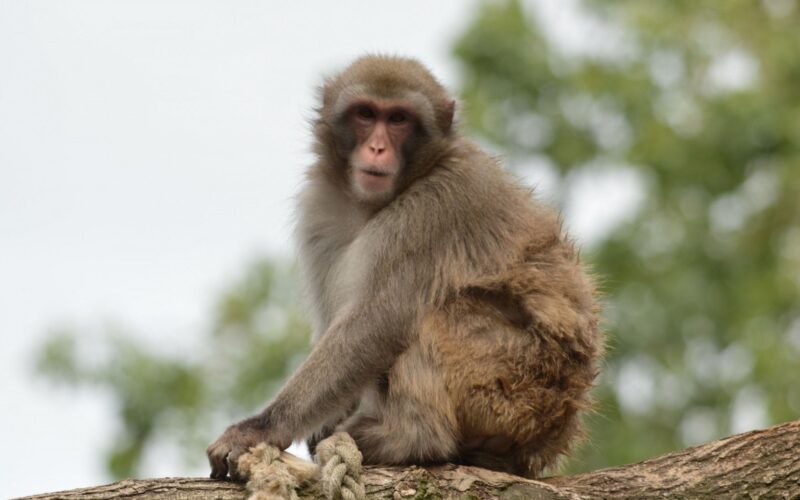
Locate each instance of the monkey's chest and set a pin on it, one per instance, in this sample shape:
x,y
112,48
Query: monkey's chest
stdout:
x,y
344,282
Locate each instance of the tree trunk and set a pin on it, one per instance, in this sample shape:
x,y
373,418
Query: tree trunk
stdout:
x,y
758,464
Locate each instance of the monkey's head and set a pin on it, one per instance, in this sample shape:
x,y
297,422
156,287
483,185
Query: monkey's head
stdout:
x,y
384,122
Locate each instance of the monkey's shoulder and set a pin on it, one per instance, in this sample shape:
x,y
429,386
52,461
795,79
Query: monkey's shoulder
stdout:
x,y
473,190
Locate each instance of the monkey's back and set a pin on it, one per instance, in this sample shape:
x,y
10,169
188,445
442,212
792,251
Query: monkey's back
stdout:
x,y
518,359
518,346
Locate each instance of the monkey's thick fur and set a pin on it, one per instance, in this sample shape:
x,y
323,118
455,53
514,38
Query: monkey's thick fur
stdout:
x,y
502,341
453,321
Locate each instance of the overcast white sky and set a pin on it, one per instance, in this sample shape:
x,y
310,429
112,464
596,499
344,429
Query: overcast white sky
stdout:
x,y
147,150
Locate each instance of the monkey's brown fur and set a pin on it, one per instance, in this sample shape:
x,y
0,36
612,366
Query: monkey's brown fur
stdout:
x,y
453,322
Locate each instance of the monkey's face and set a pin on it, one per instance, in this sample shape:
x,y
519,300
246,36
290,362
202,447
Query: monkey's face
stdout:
x,y
381,128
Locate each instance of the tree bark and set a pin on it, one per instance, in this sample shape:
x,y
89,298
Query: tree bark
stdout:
x,y
758,464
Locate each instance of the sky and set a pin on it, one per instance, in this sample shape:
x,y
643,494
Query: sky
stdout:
x,y
148,150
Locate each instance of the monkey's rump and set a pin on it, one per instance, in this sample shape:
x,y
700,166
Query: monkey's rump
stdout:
x,y
517,375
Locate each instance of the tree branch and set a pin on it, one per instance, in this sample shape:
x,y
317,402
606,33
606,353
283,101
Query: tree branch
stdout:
x,y
758,464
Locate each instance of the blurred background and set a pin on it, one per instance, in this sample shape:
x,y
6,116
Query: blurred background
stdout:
x,y
150,150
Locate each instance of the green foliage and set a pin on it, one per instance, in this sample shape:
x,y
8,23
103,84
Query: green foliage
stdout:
x,y
702,281
185,396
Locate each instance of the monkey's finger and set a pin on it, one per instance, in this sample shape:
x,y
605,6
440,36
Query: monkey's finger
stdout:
x,y
231,462
219,464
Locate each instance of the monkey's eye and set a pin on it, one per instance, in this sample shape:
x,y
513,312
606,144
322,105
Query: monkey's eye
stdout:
x,y
365,112
398,117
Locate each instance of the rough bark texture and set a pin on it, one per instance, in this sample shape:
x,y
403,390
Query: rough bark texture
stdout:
x,y
758,464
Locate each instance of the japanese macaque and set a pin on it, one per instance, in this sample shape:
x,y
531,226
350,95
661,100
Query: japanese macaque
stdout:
x,y
452,319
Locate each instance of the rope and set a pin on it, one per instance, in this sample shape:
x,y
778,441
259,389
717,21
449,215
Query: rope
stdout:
x,y
268,477
275,475
341,468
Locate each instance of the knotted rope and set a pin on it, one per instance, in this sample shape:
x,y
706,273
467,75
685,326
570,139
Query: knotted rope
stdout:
x,y
275,475
341,468
267,477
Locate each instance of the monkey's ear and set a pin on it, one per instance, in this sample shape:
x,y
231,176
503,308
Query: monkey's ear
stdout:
x,y
447,117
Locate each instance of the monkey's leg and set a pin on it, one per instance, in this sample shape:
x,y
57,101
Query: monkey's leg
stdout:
x,y
328,429
413,421
318,436
516,389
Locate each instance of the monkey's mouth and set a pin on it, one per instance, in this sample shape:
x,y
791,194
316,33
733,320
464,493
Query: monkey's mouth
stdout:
x,y
375,173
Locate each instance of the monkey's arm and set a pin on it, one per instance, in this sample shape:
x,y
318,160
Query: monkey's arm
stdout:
x,y
393,280
360,344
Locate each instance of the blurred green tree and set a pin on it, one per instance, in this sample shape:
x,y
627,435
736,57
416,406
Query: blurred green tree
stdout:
x,y
257,337
696,106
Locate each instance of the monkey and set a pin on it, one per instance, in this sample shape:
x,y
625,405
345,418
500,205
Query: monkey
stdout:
x,y
453,320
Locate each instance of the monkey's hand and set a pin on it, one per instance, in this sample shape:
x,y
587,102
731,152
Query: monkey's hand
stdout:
x,y
223,454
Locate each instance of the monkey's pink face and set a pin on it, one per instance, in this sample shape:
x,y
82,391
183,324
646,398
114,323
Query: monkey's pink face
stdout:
x,y
381,128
